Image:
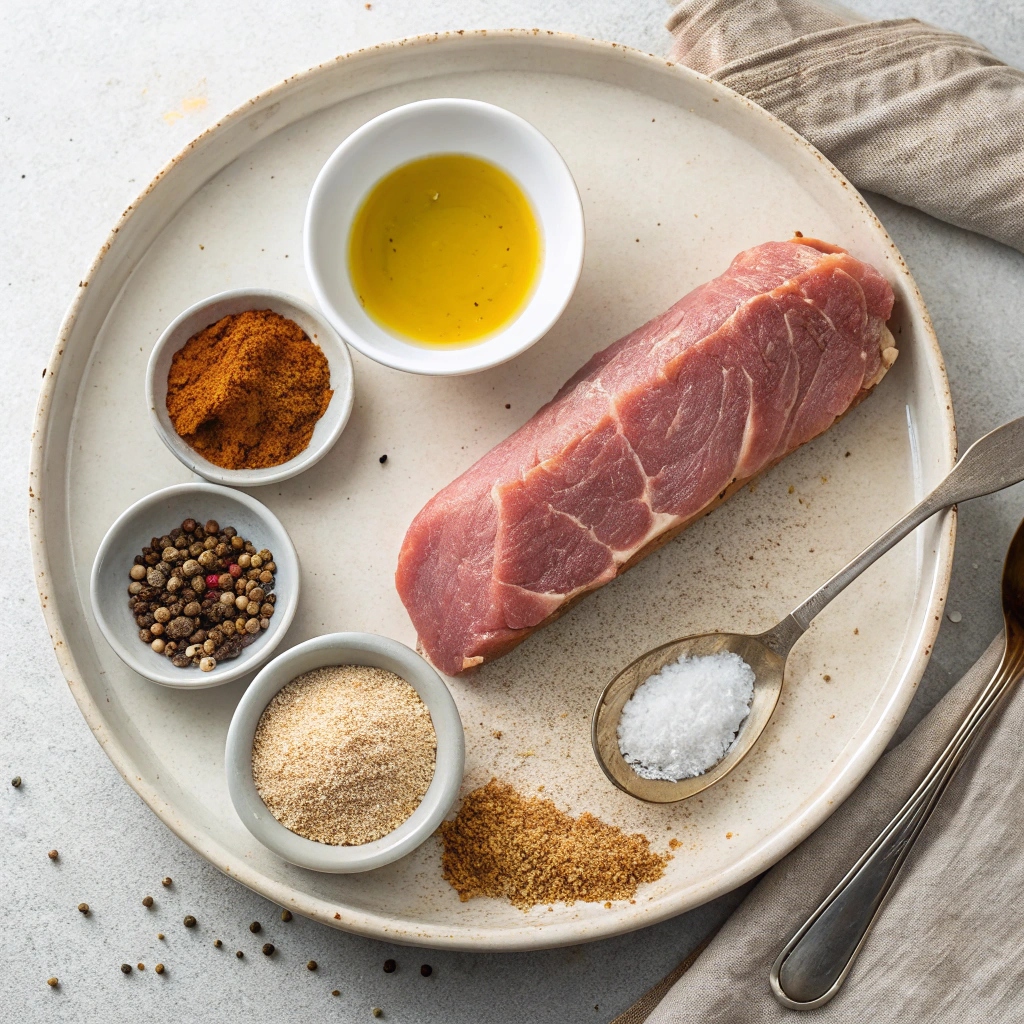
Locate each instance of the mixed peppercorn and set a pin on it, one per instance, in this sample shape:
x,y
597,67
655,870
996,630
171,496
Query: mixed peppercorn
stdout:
x,y
200,594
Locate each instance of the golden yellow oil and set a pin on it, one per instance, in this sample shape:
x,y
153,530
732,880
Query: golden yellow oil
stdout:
x,y
444,250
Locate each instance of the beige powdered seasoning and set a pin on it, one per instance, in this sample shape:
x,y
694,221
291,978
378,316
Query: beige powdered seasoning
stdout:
x,y
524,849
343,755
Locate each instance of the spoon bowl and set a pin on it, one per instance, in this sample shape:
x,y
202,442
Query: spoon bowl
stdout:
x,y
768,666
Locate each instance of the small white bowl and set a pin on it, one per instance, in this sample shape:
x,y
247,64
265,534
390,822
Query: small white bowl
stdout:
x,y
154,516
346,649
328,428
422,129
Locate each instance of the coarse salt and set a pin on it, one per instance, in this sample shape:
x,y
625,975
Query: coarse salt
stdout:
x,y
683,719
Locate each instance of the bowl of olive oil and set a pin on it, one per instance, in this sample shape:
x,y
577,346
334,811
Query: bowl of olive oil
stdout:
x,y
444,237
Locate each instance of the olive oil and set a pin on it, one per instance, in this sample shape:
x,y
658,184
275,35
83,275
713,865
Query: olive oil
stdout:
x,y
445,250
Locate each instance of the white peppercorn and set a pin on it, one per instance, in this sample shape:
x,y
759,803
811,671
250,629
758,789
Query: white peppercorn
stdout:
x,y
208,664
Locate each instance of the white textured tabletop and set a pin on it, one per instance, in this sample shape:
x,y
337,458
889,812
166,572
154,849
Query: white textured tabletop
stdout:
x,y
94,98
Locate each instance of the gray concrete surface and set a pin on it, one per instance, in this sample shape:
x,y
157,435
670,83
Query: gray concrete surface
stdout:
x,y
94,97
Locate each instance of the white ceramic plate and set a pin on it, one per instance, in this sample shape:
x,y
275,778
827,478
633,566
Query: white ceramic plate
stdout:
x,y
677,174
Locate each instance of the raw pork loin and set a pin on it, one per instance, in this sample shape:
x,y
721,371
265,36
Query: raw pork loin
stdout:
x,y
653,432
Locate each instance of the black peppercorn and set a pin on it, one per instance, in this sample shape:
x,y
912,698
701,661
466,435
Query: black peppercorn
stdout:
x,y
159,968
217,943
268,949
286,915
390,966
255,927
165,882
126,968
16,781
53,855
383,459
190,921
426,970
312,965
147,901
239,954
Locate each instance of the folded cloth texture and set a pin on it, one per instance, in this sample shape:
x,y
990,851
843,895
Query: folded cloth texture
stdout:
x,y
946,946
924,116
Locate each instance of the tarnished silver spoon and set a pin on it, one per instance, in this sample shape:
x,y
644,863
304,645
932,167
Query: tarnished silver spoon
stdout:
x,y
990,464
814,963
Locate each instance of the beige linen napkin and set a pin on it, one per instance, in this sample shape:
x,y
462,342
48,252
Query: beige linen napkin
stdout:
x,y
947,945
924,116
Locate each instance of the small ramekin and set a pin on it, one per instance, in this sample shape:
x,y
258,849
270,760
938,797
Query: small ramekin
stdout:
x,y
346,649
208,311
423,129
153,516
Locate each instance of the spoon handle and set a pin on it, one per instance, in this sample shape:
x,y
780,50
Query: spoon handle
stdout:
x,y
993,462
816,960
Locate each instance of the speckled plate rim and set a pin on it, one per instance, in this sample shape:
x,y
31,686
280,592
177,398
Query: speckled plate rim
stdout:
x,y
124,246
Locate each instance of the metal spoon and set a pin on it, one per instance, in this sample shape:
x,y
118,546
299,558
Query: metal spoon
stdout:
x,y
815,962
990,464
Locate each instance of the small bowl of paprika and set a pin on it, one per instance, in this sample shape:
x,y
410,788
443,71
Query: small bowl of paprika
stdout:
x,y
249,387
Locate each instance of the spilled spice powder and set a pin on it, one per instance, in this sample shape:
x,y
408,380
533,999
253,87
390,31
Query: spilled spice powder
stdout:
x,y
524,849
247,391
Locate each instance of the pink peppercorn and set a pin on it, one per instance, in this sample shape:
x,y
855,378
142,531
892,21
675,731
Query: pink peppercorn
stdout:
x,y
212,595
235,569
213,581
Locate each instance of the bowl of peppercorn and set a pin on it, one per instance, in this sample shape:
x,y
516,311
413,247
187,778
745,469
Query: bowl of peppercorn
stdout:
x,y
195,585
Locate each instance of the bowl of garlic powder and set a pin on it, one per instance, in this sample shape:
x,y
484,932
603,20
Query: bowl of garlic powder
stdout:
x,y
345,753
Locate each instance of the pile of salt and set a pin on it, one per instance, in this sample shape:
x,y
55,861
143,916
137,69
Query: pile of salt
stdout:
x,y
683,719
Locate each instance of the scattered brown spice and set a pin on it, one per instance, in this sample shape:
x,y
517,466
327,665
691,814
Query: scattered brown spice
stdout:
x,y
166,882
312,965
343,755
16,781
147,901
286,915
189,922
53,855
141,967
159,968
83,908
335,992
502,844
674,844
52,982
247,391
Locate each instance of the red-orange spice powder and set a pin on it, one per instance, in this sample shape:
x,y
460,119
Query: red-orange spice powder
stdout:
x,y
247,391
